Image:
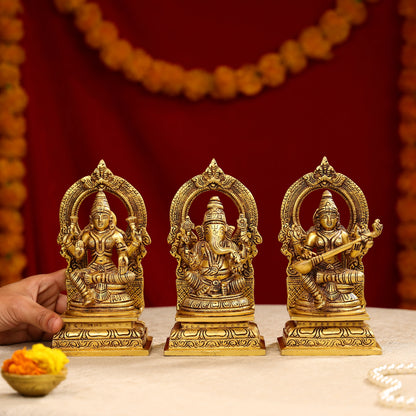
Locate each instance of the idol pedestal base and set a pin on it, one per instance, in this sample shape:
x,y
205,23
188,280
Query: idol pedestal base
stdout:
x,y
215,336
102,336
328,336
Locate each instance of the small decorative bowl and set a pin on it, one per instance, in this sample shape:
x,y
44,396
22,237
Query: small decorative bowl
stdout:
x,y
33,386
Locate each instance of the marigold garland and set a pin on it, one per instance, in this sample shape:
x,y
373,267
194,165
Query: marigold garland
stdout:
x,y
13,101
406,205
223,83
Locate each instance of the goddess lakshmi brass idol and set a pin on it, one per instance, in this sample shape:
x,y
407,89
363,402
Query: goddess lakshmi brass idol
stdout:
x,y
325,274
214,277
104,299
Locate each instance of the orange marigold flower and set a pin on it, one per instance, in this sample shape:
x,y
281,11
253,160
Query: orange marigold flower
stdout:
x,y
198,83
10,7
407,107
293,56
11,220
20,364
11,169
14,147
137,64
406,233
12,266
154,77
12,54
13,99
87,16
174,79
407,132
116,53
407,8
68,6
12,194
101,35
225,83
406,262
314,44
409,31
408,56
11,125
353,10
272,69
11,30
407,290
249,80
407,80
335,27
408,157
407,183
9,75
10,243
406,209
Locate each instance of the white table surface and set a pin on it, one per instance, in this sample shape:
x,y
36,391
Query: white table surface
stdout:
x,y
265,385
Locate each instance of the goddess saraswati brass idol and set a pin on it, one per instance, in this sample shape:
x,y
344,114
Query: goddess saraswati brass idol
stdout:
x,y
214,277
325,274
104,299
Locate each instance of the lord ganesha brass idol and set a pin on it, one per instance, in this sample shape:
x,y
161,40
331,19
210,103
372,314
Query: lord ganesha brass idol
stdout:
x,y
325,274
214,277
105,297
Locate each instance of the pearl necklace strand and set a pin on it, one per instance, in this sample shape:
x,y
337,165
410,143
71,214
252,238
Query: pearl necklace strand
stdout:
x,y
390,396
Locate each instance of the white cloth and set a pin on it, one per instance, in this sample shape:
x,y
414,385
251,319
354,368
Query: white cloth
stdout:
x,y
215,386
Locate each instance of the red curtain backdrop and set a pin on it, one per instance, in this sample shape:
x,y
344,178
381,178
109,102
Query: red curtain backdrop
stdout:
x,y
80,112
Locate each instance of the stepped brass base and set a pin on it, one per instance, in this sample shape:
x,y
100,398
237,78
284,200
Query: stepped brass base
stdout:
x,y
328,337
215,338
102,336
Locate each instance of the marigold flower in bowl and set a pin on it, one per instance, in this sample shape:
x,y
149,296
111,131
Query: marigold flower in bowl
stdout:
x,y
35,372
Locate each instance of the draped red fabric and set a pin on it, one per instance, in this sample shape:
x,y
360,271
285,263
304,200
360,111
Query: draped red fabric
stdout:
x,y
81,112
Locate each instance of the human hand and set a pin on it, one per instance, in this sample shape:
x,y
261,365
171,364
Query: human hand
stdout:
x,y
29,308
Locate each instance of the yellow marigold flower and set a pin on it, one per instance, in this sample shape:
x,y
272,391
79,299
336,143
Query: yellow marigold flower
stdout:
x,y
11,125
101,35
9,75
336,28
11,220
249,80
198,83
293,56
13,99
116,53
68,6
272,70
225,83
409,31
12,194
314,44
51,360
354,11
407,132
407,107
174,79
407,80
406,209
11,30
11,267
10,7
12,54
87,16
137,64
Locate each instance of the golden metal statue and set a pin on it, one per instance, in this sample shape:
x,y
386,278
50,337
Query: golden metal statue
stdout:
x,y
325,274
104,299
214,277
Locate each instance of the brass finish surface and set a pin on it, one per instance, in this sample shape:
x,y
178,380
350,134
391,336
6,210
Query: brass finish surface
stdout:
x,y
214,277
325,272
104,299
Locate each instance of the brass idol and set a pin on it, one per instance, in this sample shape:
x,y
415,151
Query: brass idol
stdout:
x,y
104,299
325,274
214,277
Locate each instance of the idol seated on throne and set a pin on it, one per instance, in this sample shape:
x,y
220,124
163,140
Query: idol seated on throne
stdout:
x,y
101,285
326,257
213,262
